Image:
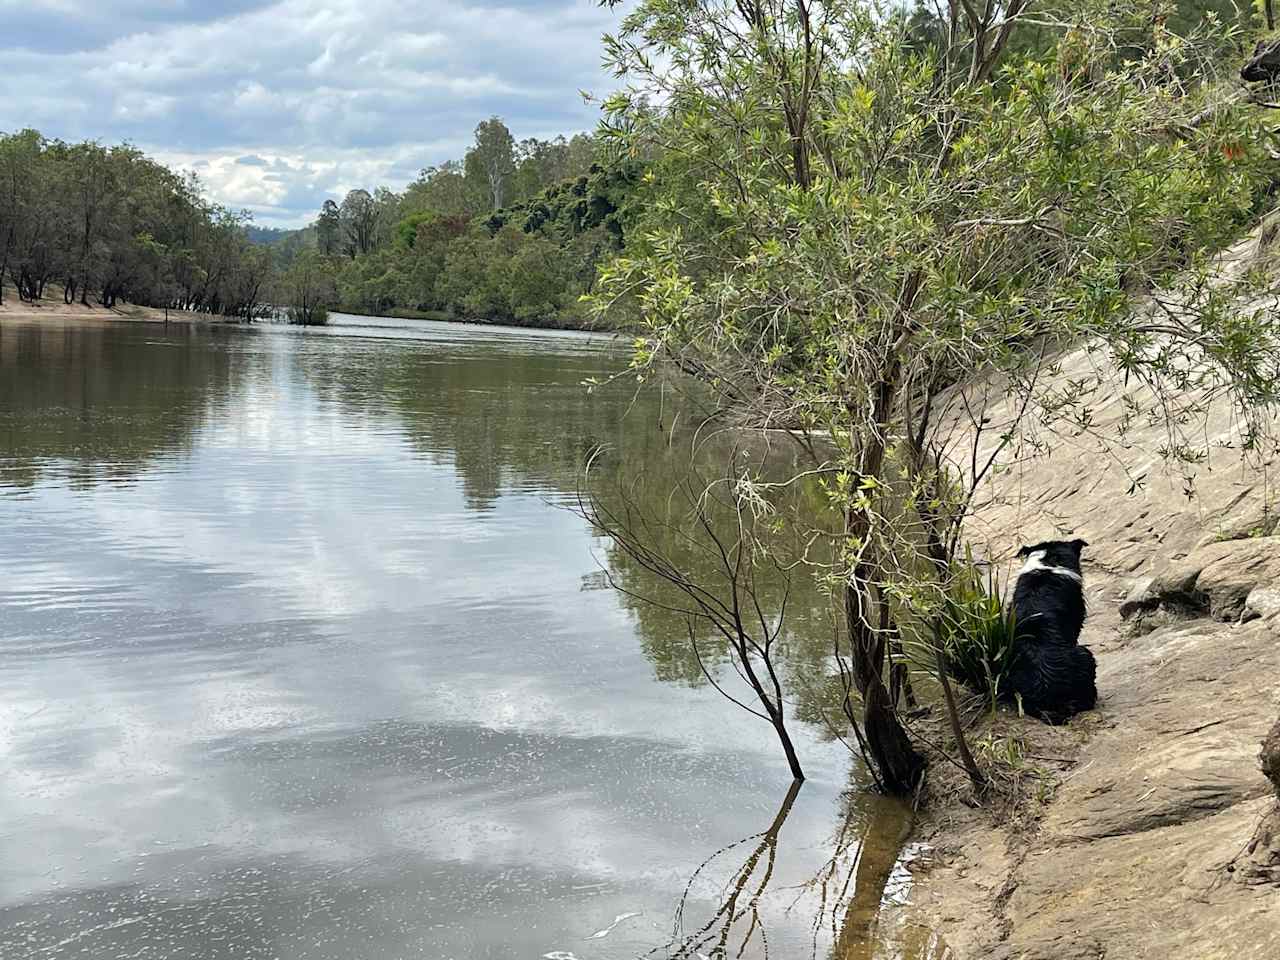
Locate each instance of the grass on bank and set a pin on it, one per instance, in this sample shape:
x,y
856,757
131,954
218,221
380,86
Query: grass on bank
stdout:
x,y
978,633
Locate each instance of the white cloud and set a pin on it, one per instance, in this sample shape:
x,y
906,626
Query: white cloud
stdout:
x,y
343,92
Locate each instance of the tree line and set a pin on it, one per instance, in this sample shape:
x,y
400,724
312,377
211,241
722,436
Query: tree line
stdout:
x,y
512,232
108,224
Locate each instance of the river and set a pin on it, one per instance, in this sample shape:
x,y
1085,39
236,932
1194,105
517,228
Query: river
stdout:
x,y
303,656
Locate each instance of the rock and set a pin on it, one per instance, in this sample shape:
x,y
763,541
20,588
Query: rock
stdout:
x,y
1229,580
1262,603
1138,599
1055,946
1127,853
1270,757
1254,521
1259,862
1235,570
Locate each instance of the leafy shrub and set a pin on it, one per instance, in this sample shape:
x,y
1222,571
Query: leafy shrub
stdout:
x,y
314,316
978,633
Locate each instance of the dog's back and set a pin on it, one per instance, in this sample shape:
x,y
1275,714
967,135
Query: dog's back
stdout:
x,y
1048,599
1053,676
1054,682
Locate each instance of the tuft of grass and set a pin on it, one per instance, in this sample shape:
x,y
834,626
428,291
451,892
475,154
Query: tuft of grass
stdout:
x,y
978,633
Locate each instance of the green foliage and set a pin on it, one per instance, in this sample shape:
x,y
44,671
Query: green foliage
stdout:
x,y
921,226
511,276
328,228
600,198
871,234
112,224
977,633
307,288
442,190
315,316
528,263
491,163
368,284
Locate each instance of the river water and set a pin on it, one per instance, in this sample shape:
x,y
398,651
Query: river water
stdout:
x,y
302,656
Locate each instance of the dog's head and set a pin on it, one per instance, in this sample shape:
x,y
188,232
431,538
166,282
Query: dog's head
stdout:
x,y
1056,553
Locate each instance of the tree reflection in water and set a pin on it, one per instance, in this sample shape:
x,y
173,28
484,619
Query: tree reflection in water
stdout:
x,y
742,900
855,899
863,890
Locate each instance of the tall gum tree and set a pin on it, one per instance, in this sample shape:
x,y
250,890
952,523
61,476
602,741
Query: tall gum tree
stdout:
x,y
493,159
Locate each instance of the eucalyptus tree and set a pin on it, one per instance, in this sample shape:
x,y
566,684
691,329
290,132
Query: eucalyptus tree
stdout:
x,y
359,218
543,163
845,226
441,189
359,214
492,160
329,229
388,210
112,224
19,199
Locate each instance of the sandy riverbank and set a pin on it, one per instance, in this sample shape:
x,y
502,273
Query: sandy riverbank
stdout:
x,y
55,310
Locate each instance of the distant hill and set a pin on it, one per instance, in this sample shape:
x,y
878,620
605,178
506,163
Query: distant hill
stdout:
x,y
268,236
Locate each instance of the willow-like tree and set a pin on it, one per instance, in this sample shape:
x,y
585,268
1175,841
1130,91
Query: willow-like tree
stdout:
x,y
846,226
306,289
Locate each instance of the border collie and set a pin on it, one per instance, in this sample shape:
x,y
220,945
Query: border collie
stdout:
x,y
1052,674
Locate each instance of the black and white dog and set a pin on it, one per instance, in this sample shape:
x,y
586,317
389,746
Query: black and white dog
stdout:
x,y
1054,675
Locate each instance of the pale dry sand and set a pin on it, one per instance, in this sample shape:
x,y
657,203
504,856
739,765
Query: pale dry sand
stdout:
x,y
53,310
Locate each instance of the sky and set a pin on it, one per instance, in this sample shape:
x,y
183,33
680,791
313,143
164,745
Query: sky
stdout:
x,y
279,105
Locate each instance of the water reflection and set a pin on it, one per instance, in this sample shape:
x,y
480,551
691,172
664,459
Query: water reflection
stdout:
x,y
526,424
741,907
853,902
316,675
98,402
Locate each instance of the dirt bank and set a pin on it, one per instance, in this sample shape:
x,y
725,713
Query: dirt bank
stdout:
x,y
1131,842
56,310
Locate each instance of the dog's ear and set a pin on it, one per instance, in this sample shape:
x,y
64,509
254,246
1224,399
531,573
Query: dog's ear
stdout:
x,y
1023,552
1079,545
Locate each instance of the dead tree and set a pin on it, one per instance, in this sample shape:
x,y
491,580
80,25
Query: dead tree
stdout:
x,y
726,604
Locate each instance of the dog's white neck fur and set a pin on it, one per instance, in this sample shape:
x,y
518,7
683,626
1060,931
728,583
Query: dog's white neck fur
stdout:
x,y
1035,561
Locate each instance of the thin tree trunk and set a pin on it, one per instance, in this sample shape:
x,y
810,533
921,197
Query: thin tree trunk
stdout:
x,y
867,623
898,764
4,261
903,694
788,748
773,705
953,714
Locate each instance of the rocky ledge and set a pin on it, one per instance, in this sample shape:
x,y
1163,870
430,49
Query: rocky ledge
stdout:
x,y
1153,831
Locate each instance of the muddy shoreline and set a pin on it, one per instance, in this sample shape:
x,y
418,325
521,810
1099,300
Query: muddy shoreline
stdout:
x,y
56,310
